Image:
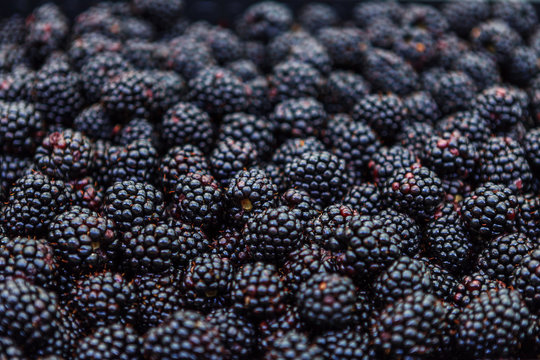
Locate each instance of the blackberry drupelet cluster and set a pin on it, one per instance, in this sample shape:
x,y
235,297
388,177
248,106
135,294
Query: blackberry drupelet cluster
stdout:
x,y
185,124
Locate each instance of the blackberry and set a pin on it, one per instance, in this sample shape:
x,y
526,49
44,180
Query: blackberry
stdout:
x,y
249,193
162,13
346,46
187,56
364,198
64,155
499,106
301,117
528,221
388,72
33,202
100,69
21,127
410,232
532,148
272,329
102,298
185,124
12,30
384,162
258,290
366,12
503,161
417,46
344,344
94,123
425,17
525,279
295,148
229,243
136,161
246,70
113,341
421,107
468,124
326,229
225,45
443,282
80,238
343,90
480,67
47,29
493,324
136,129
462,17
207,280
235,331
16,85
218,92
142,54
11,168
490,210
231,156
10,350
315,16
412,326
382,33
299,202
404,277
293,345
259,101
192,242
184,332
320,173
130,203
255,129
453,92
264,21
327,300
168,91
519,15
496,38
522,66
86,46
100,170
180,160
472,286
294,79
88,193
417,191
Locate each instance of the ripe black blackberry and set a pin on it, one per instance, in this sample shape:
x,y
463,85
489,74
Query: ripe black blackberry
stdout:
x,y
503,161
11,169
142,54
80,238
422,107
100,69
495,37
443,282
346,46
315,16
187,56
258,291
245,69
180,160
417,191
230,243
255,129
259,102
33,202
249,193
382,32
469,124
364,198
295,148
299,202
451,155
294,79
94,123
525,279
322,174
231,156
161,13
499,106
404,277
416,45
528,221
47,29
384,113
346,344
184,332
218,92
462,17
414,136
327,228
353,141
493,324
272,329
519,15
130,203
168,91
481,68
207,282
113,341
21,127
327,300
426,17
264,21
65,155
17,84
531,145
343,90
192,240
293,345
237,334
87,46
103,298
136,161
386,160
136,129
490,210
472,286
366,12
388,72
10,349
12,30
453,92
185,124
522,66
409,230
412,326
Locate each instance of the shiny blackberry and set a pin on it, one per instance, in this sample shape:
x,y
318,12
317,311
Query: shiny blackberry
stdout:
x,y
468,124
11,169
294,79
231,156
422,107
185,124
327,228
343,90
192,240
417,46
364,198
180,160
407,227
136,129
443,282
453,92
499,106
344,344
21,127
385,161
302,117
495,37
525,279
346,46
17,84
235,331
528,221
98,70
294,148
113,341
10,349
187,56
94,123
255,129
136,161
230,243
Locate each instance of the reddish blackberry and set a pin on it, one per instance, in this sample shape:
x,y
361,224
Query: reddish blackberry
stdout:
x,y
481,68
345,344
187,333
136,129
385,161
237,334
94,123
33,202
130,203
490,210
520,15
528,221
207,281
88,193
388,72
180,160
229,243
185,124
346,46
453,92
102,298
493,324
410,232
98,70
496,38
499,106
421,107
293,345
264,21
249,193
80,238
231,156
315,16
343,90
327,228
136,161
468,124
218,91
462,17
384,113
258,290
525,279
412,326
294,79
364,198
503,161
114,341
404,277
255,129
47,29
295,148
64,155
416,191
320,173
21,127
